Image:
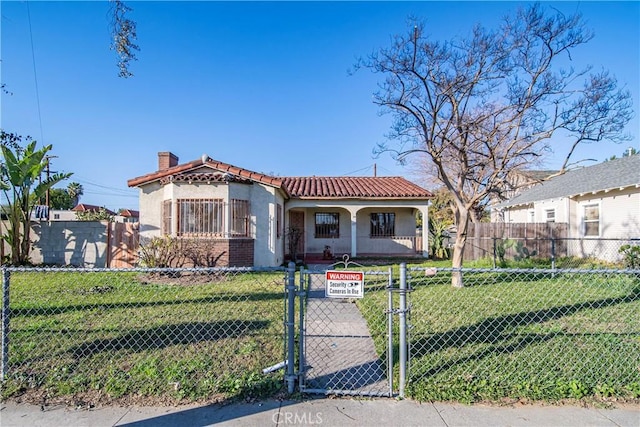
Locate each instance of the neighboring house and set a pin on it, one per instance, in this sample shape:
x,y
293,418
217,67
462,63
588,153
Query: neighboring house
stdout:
x,y
251,216
127,215
83,207
124,215
62,215
597,202
515,183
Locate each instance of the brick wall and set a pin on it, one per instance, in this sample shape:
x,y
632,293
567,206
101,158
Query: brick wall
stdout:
x,y
218,252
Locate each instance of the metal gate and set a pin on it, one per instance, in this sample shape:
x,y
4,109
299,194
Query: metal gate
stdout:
x,y
345,345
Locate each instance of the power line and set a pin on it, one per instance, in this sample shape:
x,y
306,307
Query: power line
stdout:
x,y
35,74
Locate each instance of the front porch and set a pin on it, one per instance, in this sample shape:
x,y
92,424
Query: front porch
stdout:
x,y
324,233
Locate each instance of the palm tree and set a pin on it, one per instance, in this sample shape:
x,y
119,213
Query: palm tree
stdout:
x,y
75,190
19,181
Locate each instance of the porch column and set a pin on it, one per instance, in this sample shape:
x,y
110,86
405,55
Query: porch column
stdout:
x,y
425,230
354,235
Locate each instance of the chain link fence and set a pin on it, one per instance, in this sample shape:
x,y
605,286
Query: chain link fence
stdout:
x,y
524,333
164,333
193,334
346,348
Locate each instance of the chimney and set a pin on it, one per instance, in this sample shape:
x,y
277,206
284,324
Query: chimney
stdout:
x,y
166,160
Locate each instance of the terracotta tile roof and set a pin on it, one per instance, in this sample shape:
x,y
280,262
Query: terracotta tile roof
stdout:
x,y
312,187
83,207
129,213
180,170
319,187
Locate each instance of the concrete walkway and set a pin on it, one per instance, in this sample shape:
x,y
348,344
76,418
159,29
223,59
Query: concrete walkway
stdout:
x,y
340,353
322,412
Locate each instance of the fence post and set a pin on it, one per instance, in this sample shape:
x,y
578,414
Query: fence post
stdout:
x,y
402,314
390,331
553,253
495,251
6,275
290,378
302,296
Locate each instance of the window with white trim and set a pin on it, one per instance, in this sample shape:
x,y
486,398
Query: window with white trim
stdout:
x,y
550,215
591,220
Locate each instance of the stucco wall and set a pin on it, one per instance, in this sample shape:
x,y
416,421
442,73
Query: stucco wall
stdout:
x,y
405,225
339,245
268,248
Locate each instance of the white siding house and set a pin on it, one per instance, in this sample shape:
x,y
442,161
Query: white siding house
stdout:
x,y
597,202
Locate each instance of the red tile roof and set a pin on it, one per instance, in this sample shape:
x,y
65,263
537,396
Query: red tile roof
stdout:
x,y
320,187
83,207
129,213
195,164
312,187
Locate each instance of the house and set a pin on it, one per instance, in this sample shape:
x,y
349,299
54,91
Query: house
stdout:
x,y
516,182
127,215
596,202
83,207
257,219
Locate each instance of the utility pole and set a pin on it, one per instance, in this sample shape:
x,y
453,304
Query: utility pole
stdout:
x,y
48,194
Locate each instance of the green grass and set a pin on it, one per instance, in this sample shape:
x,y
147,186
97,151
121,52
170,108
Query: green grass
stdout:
x,y
124,334
520,336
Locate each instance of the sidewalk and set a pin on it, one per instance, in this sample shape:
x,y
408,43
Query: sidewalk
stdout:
x,y
322,412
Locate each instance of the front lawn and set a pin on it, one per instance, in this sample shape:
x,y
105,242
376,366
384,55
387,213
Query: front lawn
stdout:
x,y
519,335
110,335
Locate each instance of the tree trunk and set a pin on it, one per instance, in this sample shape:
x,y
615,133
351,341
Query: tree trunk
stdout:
x,y
462,224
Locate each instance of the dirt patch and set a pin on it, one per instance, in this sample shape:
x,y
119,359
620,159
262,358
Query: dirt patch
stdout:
x,y
183,278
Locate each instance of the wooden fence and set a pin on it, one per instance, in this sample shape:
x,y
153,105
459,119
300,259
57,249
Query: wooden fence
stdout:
x,y
543,238
123,239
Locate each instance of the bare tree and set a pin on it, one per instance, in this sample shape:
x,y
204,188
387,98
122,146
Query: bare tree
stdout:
x,y
123,32
481,106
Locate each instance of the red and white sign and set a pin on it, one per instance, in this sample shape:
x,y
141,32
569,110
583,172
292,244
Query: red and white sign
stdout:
x,y
344,284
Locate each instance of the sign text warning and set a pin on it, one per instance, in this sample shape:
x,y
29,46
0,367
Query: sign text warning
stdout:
x,y
344,284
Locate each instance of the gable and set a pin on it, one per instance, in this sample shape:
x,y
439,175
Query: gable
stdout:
x,y
608,176
205,170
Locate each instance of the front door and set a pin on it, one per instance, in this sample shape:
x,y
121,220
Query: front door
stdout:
x,y
296,234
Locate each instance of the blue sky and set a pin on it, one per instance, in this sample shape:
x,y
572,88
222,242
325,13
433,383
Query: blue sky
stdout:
x,y
261,85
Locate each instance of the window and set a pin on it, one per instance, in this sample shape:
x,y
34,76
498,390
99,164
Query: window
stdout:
x,y
591,220
166,217
327,225
200,217
532,216
239,218
279,221
383,224
551,215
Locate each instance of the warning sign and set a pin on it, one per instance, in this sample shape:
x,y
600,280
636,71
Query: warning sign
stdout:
x,y
344,284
